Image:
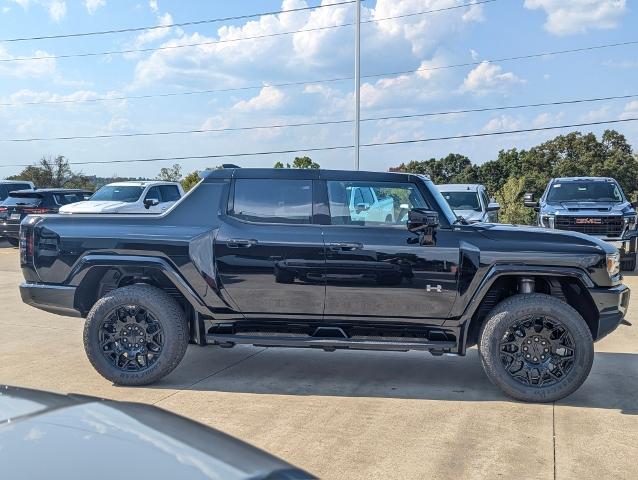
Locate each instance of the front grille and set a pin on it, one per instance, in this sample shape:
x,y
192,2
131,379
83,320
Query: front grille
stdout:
x,y
610,226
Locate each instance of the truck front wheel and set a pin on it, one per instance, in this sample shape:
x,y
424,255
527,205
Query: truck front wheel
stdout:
x,y
536,348
135,335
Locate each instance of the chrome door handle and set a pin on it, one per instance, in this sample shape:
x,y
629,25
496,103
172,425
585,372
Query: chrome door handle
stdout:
x,y
337,246
240,243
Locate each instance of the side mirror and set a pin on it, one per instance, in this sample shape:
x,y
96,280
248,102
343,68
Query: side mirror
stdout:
x,y
362,207
424,223
150,202
493,207
529,201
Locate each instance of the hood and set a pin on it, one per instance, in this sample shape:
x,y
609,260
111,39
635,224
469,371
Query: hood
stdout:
x,y
69,435
547,240
589,208
93,207
470,215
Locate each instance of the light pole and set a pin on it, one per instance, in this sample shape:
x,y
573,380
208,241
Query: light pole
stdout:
x,y
357,85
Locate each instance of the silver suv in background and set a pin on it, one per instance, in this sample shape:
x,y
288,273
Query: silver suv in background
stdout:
x,y
470,201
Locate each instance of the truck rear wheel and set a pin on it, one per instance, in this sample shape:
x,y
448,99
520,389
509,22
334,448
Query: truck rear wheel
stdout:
x,y
536,348
135,335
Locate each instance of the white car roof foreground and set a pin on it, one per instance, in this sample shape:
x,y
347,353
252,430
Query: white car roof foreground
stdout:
x,y
459,187
141,183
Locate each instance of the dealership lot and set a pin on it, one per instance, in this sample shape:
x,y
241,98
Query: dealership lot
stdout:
x,y
359,414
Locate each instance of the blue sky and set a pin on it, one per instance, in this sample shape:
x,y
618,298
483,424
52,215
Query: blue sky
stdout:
x,y
479,33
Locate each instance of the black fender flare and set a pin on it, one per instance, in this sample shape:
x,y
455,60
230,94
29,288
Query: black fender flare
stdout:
x,y
497,271
91,261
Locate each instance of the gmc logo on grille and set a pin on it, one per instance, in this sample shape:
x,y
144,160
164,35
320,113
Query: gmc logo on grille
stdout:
x,y
588,221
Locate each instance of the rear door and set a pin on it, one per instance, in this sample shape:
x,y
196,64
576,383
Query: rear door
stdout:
x,y
269,251
375,269
170,195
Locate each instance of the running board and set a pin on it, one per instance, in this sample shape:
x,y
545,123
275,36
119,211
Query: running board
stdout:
x,y
328,343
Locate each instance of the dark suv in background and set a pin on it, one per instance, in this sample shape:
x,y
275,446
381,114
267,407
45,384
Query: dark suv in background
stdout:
x,y
21,203
592,205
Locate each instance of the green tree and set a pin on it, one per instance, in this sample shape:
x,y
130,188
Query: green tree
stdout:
x,y
510,196
171,174
299,162
52,172
190,180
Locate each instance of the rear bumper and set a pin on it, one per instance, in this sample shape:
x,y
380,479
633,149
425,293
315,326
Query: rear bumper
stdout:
x,y
50,298
612,304
10,230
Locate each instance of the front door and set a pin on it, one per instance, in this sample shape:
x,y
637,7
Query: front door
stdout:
x,y
269,255
376,270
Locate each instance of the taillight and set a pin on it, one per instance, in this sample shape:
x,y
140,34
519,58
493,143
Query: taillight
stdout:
x,y
3,209
32,211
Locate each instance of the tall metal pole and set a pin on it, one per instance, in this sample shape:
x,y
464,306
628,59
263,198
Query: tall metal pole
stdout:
x,y
357,86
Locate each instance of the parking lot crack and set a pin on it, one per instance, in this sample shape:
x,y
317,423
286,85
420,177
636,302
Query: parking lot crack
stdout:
x,y
217,372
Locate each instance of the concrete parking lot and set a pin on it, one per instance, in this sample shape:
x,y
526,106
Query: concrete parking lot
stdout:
x,y
359,414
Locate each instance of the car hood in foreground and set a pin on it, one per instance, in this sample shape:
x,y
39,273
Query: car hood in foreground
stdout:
x,y
45,435
94,207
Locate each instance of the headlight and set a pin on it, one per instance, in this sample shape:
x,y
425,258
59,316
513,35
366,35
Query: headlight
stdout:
x,y
613,264
547,221
630,220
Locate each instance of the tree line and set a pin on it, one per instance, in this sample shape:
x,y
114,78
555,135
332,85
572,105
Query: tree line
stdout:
x,y
507,178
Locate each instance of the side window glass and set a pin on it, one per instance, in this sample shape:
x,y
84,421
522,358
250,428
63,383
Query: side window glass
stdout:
x,y
170,193
393,202
154,194
273,201
367,196
3,192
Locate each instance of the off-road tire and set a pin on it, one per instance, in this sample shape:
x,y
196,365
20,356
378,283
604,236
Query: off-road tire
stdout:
x,y
164,309
512,310
14,242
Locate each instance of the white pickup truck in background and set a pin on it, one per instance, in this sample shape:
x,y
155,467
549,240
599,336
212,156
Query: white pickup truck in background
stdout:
x,y
366,206
130,197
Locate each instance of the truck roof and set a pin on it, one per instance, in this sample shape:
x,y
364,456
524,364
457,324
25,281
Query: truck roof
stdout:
x,y
459,187
583,179
314,174
141,183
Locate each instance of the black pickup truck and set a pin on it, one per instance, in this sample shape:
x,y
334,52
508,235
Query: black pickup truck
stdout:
x,y
291,258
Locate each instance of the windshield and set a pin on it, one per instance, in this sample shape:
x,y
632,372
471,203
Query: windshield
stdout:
x,y
445,207
584,192
112,193
463,200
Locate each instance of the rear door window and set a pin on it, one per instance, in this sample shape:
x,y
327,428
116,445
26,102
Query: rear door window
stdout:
x,y
272,201
154,194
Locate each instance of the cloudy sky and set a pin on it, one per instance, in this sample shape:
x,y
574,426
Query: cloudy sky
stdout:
x,y
249,71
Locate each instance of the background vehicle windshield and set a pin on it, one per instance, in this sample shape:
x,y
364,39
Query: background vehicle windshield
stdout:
x,y
585,192
463,200
127,194
445,207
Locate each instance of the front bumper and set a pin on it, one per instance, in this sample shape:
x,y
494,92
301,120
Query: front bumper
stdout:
x,y
56,299
612,304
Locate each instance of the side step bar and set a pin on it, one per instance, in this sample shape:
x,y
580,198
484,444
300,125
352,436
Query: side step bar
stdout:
x,y
328,343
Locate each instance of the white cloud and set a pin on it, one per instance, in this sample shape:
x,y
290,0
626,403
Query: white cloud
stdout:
x,y
93,5
269,98
156,34
153,5
596,115
475,55
27,68
631,110
23,3
502,123
487,78
546,118
6,9
566,17
57,10
621,63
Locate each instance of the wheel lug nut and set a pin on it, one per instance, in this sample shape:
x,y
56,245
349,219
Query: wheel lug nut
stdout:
x,y
536,339
547,350
527,356
535,359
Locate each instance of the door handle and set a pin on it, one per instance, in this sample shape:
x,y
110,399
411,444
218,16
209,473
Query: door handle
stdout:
x,y
340,246
240,243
